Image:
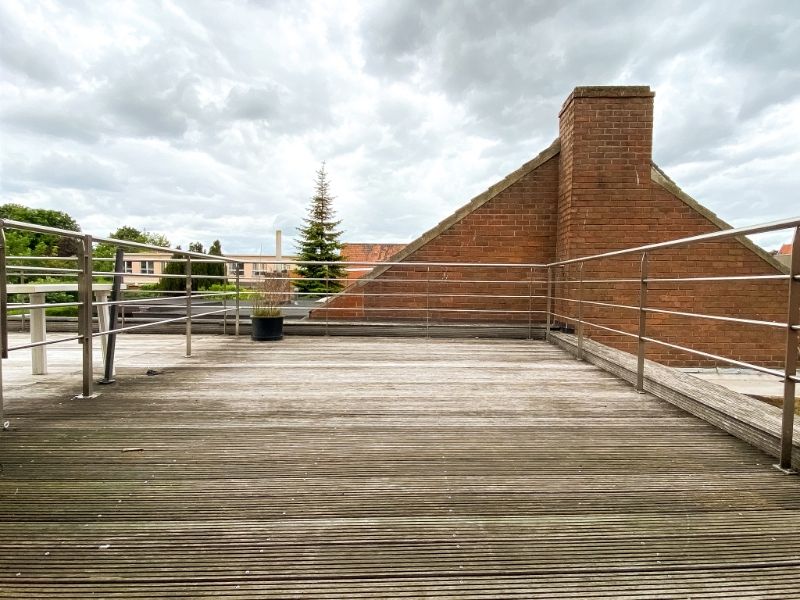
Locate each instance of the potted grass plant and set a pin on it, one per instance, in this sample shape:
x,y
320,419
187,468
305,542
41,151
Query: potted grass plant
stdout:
x,y
272,290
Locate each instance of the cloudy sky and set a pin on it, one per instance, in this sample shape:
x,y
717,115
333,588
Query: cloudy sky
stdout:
x,y
204,119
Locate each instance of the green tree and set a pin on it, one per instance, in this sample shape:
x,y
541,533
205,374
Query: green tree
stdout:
x,y
319,241
199,269
27,243
173,284
129,234
216,269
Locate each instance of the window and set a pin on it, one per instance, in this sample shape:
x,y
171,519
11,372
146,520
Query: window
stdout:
x,y
259,269
237,268
146,267
129,266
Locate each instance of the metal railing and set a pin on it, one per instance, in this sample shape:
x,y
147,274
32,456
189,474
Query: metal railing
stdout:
x,y
642,309
436,293
85,274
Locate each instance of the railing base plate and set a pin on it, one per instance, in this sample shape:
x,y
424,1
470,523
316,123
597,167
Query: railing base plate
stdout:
x,y
82,397
789,471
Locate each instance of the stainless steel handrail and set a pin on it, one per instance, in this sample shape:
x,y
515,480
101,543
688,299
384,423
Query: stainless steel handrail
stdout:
x,y
791,326
703,237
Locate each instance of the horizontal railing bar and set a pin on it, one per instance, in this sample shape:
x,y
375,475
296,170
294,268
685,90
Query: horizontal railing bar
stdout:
x,y
720,278
159,322
159,275
731,361
597,281
716,317
45,343
39,269
398,264
423,309
183,305
161,249
416,295
610,305
16,306
680,279
140,326
595,325
132,290
69,258
704,237
149,300
196,308
36,258
344,292
713,236
45,273
10,223
393,281
619,331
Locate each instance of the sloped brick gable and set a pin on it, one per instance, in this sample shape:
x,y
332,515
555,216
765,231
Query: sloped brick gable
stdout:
x,y
598,192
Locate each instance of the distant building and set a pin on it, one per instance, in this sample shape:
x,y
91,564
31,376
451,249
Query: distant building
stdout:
x,y
146,267
784,255
366,253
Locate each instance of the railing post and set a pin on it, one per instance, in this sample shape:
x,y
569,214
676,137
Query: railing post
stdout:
x,y
188,306
85,313
530,304
238,303
790,368
225,308
327,296
3,296
549,309
580,312
113,310
3,318
427,301
642,323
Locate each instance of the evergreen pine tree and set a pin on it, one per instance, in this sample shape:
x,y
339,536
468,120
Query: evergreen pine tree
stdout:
x,y
319,241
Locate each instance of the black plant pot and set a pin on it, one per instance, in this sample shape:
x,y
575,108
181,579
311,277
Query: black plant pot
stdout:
x,y
266,329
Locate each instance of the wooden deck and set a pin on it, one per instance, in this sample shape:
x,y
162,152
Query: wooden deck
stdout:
x,y
368,467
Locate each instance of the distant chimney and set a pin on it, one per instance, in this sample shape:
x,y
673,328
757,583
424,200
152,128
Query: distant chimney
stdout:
x,y
278,253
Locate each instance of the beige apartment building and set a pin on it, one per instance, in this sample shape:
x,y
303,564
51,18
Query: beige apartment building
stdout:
x,y
146,267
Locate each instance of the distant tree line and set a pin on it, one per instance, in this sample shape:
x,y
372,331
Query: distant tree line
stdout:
x,y
203,274
25,243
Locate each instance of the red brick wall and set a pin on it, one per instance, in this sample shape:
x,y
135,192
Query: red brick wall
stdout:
x,y
516,226
606,140
608,201
597,195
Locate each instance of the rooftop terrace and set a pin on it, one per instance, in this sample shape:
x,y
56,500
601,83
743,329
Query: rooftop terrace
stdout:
x,y
370,467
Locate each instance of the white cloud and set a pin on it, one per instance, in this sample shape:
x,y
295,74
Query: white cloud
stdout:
x,y
203,120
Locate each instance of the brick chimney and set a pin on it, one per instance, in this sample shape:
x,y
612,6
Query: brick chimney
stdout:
x,y
606,148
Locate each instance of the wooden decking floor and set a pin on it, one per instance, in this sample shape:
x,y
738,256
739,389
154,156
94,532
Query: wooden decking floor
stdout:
x,y
368,467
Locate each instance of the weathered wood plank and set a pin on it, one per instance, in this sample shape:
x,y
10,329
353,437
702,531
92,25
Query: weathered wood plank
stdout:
x,y
368,467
